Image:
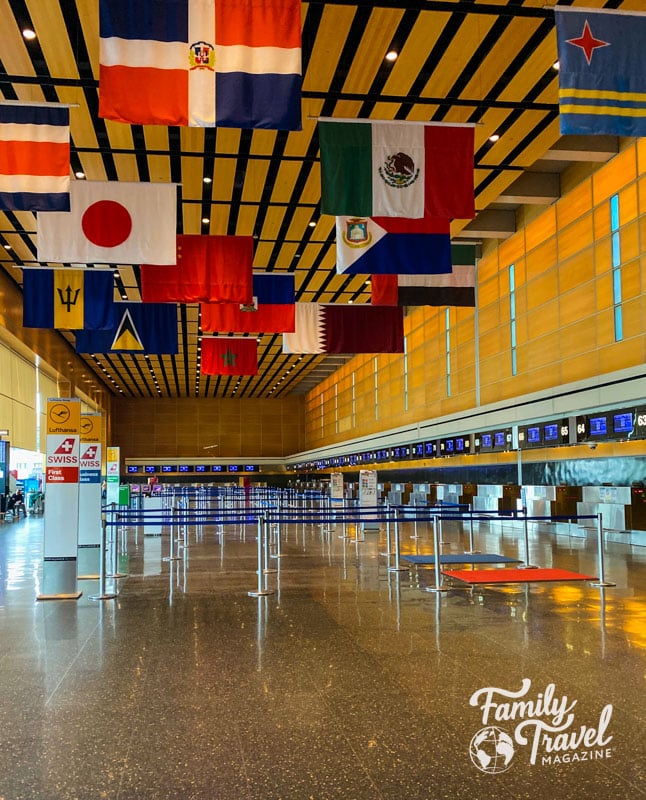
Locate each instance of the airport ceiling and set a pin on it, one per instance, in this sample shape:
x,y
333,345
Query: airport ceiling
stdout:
x,y
488,63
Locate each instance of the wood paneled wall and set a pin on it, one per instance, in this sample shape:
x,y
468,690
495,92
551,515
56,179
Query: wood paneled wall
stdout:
x,y
184,427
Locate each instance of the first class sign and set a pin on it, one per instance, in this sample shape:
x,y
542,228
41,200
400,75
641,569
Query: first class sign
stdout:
x,y
63,450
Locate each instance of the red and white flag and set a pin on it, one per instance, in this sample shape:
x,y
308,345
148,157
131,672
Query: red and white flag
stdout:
x,y
112,222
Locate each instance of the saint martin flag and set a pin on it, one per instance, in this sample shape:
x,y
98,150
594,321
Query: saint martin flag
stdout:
x,y
137,328
112,222
346,329
67,298
34,157
392,246
272,310
602,71
396,169
229,355
231,63
213,269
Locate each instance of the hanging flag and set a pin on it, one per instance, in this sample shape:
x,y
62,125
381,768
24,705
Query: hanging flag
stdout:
x,y
112,222
34,157
67,298
455,289
272,310
346,329
214,269
137,328
228,355
369,245
396,169
232,63
602,71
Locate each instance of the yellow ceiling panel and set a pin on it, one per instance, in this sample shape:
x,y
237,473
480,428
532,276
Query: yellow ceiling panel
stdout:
x,y
262,254
246,220
191,178
370,54
227,140
56,47
224,174
298,142
127,168
15,54
255,177
159,168
284,184
93,166
299,223
327,47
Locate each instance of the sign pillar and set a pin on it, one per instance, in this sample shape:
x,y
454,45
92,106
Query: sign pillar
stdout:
x,y
112,477
336,489
368,497
89,529
62,503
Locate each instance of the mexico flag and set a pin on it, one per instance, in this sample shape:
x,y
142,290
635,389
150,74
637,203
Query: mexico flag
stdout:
x,y
112,223
396,169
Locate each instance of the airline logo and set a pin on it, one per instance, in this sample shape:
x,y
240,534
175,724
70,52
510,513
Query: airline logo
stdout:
x,y
90,453
66,446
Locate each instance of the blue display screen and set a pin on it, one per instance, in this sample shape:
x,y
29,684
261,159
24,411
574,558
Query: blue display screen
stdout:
x,y
485,440
216,468
598,426
150,469
459,445
499,439
623,423
233,468
250,468
168,468
199,468
551,433
429,448
533,435
184,468
448,446
132,469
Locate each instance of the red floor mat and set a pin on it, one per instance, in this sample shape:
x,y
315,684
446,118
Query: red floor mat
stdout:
x,y
515,575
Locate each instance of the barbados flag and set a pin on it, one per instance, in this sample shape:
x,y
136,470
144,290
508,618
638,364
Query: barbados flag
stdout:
x,y
67,298
137,328
602,71
231,63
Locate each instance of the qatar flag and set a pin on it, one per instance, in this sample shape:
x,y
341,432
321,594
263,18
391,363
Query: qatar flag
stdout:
x,y
112,223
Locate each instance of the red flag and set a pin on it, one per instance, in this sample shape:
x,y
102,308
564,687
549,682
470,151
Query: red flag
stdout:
x,y
210,269
229,356
385,290
272,310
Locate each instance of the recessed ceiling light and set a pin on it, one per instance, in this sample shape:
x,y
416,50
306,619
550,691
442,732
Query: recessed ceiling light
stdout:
x,y
205,221
29,34
7,247
392,55
312,224
80,175
494,137
556,65
207,180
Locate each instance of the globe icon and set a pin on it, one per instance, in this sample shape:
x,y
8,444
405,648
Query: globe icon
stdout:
x,y
491,750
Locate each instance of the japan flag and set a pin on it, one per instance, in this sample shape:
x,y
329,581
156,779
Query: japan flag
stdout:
x,y
112,223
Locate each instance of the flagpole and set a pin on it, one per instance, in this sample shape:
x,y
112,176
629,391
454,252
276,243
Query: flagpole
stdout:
x,y
397,122
38,104
582,10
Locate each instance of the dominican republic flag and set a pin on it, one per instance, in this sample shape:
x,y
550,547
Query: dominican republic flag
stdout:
x,y
456,288
232,63
346,329
137,328
34,157
272,309
229,355
392,246
396,169
112,222
602,71
67,298
214,269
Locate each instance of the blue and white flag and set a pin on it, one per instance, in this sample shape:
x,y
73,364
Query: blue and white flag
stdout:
x,y
602,71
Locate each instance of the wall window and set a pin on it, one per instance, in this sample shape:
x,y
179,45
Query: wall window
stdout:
x,y
512,317
616,267
447,327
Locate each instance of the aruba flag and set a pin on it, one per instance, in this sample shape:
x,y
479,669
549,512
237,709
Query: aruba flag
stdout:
x,y
231,63
67,298
602,71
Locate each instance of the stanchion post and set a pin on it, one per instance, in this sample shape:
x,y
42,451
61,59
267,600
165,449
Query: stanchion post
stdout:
x,y
262,577
437,547
526,535
102,595
173,522
397,567
602,571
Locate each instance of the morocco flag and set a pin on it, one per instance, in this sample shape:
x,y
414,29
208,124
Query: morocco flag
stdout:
x,y
228,355
112,222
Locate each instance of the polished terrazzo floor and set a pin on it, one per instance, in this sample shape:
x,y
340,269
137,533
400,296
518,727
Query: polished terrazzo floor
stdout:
x,y
348,682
